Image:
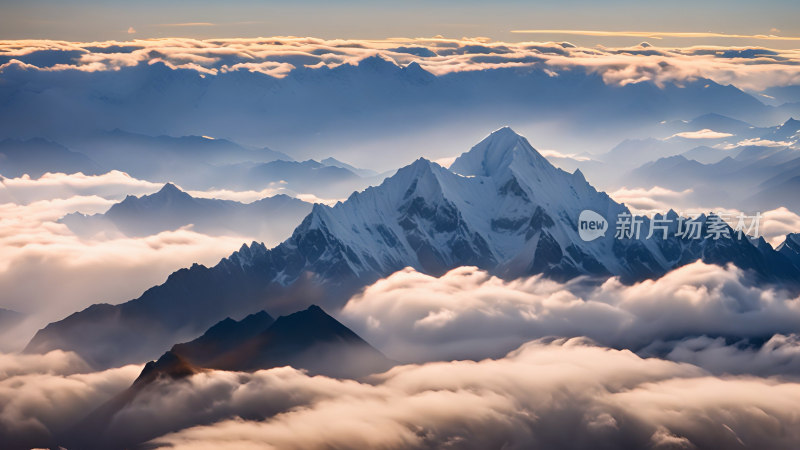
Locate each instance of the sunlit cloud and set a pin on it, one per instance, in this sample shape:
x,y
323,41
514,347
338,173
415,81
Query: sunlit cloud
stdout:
x,y
468,313
746,67
701,134
559,391
273,69
43,395
661,34
757,142
187,24
648,201
111,185
777,223
555,394
556,154
446,161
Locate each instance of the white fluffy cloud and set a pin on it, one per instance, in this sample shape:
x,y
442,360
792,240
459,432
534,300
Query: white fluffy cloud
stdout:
x,y
42,395
652,200
114,185
468,313
702,134
781,353
777,223
555,392
747,68
560,394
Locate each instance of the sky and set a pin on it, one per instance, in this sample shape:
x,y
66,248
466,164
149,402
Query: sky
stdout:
x,y
87,20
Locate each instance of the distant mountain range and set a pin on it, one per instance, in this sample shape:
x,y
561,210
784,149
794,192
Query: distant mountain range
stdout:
x,y
354,108
325,180
737,165
715,122
761,176
147,156
501,207
635,152
195,162
270,219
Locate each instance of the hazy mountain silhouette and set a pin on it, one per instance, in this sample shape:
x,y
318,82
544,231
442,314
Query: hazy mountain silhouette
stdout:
x,y
354,107
270,219
37,156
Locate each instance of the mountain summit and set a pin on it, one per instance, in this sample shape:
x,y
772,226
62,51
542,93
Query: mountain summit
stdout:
x,y
502,208
502,151
308,339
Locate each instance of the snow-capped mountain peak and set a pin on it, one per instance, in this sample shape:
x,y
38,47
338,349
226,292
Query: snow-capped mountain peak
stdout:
x,y
501,151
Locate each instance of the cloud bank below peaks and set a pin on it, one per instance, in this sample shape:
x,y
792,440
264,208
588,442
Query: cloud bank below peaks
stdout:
x,y
745,67
469,314
43,395
564,393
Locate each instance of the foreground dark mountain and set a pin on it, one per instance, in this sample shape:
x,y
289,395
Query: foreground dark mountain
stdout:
x,y
310,340
502,207
270,219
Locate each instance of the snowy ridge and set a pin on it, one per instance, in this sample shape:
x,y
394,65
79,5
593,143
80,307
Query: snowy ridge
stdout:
x,y
501,206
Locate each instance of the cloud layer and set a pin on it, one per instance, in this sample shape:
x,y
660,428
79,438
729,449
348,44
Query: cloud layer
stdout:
x,y
570,379
48,272
42,395
745,67
468,313
553,393
546,394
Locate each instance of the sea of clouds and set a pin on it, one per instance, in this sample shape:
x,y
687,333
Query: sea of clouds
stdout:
x,y
700,358
744,67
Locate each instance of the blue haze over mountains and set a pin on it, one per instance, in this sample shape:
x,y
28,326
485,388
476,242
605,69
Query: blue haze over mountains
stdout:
x,y
347,110
148,119
269,219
